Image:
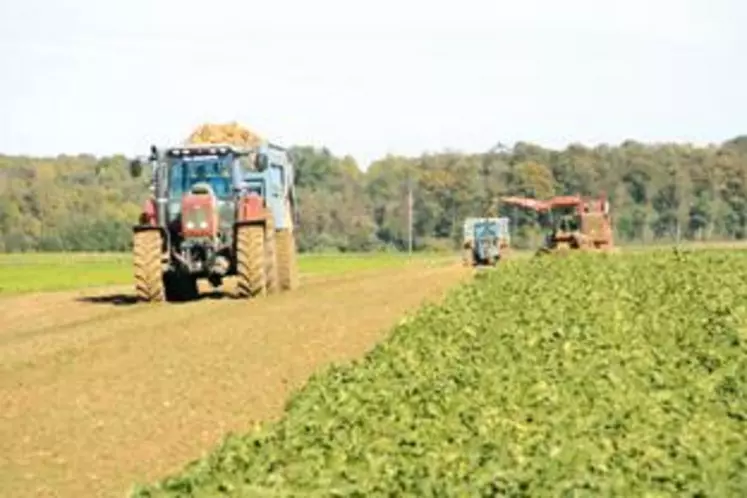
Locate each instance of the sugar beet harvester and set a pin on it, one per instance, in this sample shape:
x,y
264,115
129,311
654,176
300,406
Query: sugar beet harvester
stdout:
x,y
484,241
216,211
575,222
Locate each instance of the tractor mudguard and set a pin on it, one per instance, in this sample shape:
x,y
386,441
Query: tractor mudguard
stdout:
x,y
165,237
149,215
250,211
246,223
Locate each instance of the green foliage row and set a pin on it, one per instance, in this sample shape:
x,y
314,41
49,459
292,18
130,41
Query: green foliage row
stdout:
x,y
658,192
589,376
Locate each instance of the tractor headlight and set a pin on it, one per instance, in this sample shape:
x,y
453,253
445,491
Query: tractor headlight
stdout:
x,y
196,218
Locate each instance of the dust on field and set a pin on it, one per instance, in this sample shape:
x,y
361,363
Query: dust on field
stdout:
x,y
98,393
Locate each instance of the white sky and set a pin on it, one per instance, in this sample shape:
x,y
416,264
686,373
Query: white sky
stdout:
x,y
370,78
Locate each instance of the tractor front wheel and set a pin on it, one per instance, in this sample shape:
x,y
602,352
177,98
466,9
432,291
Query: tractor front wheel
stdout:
x,y
147,262
468,257
250,261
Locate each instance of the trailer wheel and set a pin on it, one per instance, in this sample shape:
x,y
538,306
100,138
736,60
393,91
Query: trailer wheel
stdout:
x,y
147,265
286,258
271,257
250,261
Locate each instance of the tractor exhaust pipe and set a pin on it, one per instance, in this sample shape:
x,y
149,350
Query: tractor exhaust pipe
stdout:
x,y
160,175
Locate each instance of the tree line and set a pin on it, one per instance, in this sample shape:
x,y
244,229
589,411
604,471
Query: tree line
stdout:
x,y
657,192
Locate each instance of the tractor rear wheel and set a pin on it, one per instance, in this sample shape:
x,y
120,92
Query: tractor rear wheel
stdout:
x,y
468,255
147,262
286,258
250,260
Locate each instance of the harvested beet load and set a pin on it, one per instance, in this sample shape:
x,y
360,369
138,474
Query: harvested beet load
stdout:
x,y
228,133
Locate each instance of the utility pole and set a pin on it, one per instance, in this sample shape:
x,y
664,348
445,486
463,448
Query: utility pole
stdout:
x,y
409,214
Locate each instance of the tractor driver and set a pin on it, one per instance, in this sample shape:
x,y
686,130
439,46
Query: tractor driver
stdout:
x,y
201,175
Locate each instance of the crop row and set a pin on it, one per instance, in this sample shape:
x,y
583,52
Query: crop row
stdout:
x,y
587,376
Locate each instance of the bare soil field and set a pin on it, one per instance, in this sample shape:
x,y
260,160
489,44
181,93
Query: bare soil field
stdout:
x,y
98,392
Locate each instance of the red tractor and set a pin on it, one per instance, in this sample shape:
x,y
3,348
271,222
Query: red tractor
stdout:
x,y
216,211
575,222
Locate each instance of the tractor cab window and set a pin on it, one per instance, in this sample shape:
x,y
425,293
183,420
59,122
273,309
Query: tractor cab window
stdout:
x,y
568,223
184,174
245,163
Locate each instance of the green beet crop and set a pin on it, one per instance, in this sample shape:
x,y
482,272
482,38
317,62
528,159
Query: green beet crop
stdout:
x,y
589,376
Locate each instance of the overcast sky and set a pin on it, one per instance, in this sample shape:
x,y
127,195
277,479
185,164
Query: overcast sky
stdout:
x,y
370,78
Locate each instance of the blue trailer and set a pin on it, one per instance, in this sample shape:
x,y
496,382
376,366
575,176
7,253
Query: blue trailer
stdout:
x,y
485,240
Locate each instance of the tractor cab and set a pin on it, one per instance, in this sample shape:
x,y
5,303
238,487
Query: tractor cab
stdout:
x,y
565,219
186,172
200,176
201,190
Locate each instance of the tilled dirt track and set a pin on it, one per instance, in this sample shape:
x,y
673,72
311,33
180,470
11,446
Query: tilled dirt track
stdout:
x,y
97,392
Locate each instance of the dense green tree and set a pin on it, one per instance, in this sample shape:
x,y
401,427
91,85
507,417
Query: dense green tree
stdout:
x,y
658,192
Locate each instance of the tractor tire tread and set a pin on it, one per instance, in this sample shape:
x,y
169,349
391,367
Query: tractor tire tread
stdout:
x,y
250,261
271,258
147,265
287,262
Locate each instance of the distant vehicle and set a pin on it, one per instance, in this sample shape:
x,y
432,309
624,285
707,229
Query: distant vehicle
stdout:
x,y
575,222
485,240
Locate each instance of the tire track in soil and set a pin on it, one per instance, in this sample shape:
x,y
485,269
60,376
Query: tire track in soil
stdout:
x,y
98,395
